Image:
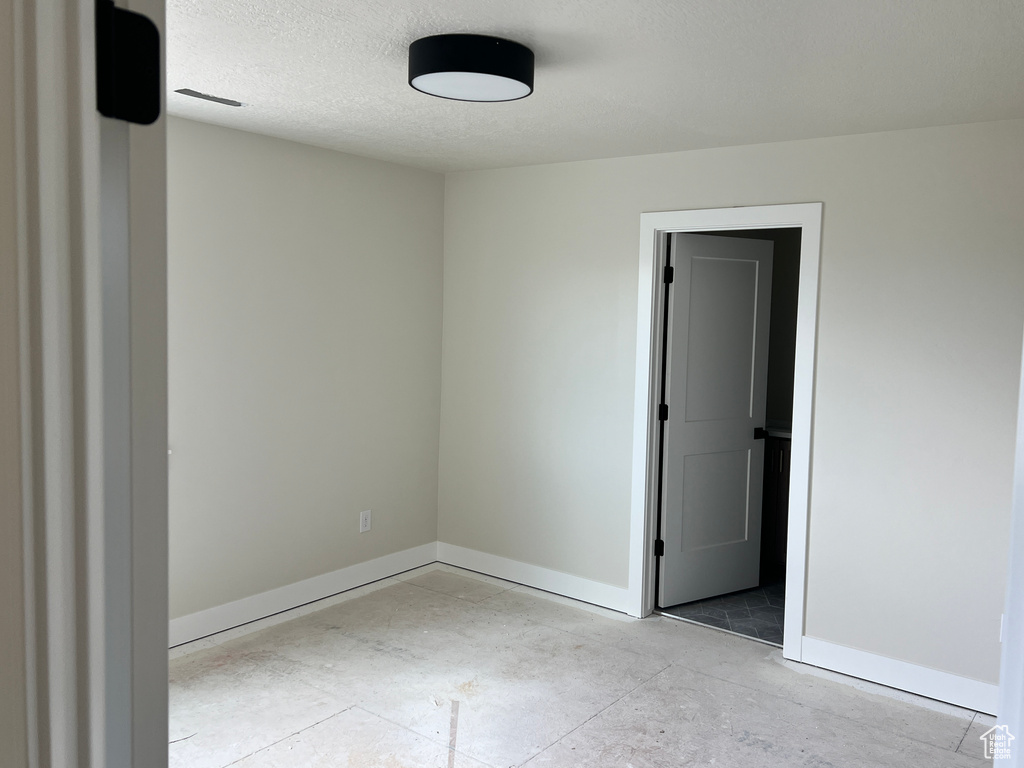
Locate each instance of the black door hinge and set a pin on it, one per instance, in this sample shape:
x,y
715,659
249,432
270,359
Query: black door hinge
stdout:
x,y
669,274
663,412
659,548
127,65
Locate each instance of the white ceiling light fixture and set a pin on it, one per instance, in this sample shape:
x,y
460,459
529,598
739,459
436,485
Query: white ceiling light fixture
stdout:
x,y
471,68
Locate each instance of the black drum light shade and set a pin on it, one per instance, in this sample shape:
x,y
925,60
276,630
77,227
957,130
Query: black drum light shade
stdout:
x,y
471,68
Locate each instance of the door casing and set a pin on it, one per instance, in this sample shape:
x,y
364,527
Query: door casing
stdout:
x,y
86,209
654,230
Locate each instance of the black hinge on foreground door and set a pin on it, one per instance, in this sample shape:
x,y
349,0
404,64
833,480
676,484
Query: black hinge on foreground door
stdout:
x,y
127,65
663,412
659,548
669,274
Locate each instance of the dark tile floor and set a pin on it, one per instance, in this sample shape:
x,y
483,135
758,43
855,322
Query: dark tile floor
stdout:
x,y
755,613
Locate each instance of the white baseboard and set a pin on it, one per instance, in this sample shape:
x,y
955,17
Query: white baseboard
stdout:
x,y
234,614
567,585
924,681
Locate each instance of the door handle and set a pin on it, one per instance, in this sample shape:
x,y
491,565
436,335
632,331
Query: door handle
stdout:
x,y
760,433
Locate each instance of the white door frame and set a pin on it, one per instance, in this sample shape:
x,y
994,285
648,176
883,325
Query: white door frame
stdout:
x,y
1011,675
654,230
84,204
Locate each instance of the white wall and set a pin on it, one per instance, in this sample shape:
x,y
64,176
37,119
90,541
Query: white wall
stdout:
x,y
305,331
921,309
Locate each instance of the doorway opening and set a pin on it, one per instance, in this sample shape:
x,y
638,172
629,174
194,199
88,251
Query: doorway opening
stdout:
x,y
736,581
720,301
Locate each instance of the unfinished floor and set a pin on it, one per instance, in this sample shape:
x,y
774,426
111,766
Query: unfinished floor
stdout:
x,y
440,668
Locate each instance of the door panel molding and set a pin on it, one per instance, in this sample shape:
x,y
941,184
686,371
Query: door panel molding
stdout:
x,y
655,229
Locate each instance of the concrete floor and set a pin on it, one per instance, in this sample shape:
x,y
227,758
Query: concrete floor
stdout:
x,y
441,668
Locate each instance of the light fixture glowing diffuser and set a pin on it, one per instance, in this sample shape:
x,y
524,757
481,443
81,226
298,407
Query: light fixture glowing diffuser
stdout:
x,y
471,68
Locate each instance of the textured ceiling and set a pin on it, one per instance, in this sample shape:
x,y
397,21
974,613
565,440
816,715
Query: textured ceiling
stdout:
x,y
614,77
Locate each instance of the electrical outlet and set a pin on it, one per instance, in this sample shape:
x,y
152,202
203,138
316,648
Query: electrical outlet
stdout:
x,y
364,521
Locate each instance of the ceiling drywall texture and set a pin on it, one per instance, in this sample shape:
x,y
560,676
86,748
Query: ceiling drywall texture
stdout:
x,y
614,77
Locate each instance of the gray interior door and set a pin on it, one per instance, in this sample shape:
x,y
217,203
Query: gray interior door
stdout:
x,y
716,380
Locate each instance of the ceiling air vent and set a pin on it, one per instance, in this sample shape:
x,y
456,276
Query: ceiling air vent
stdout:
x,y
208,97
